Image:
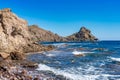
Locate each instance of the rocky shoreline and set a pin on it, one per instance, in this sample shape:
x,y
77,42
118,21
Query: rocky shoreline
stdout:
x,y
19,71
15,66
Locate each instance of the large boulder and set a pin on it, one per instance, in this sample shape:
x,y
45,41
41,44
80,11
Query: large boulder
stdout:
x,y
84,34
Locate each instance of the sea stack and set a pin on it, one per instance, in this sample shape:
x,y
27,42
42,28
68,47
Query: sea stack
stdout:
x,y
84,34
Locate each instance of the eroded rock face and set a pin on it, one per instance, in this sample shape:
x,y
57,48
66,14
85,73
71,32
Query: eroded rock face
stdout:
x,y
83,35
14,33
39,34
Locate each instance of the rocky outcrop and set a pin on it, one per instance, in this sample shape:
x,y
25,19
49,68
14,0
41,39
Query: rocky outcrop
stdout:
x,y
83,35
39,34
14,34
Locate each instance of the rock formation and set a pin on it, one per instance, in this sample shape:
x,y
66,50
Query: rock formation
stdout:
x,y
14,34
39,34
83,35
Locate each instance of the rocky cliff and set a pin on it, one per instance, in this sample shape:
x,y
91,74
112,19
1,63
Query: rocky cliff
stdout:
x,y
84,34
14,34
39,34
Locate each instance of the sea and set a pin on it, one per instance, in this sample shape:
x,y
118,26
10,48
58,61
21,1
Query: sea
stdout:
x,y
79,61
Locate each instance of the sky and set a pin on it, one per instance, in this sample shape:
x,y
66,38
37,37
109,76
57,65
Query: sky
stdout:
x,y
65,17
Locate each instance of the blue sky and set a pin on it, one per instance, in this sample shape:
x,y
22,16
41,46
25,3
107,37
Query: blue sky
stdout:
x,y
65,17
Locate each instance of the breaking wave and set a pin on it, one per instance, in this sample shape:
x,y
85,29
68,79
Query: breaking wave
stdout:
x,y
78,73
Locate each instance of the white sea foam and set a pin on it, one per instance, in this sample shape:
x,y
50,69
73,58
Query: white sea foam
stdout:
x,y
60,44
115,59
76,73
69,74
50,55
62,53
80,52
53,53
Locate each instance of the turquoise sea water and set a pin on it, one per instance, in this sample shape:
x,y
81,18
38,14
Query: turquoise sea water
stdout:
x,y
80,61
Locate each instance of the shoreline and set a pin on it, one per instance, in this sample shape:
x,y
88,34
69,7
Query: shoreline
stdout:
x,y
19,69
29,53
17,72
